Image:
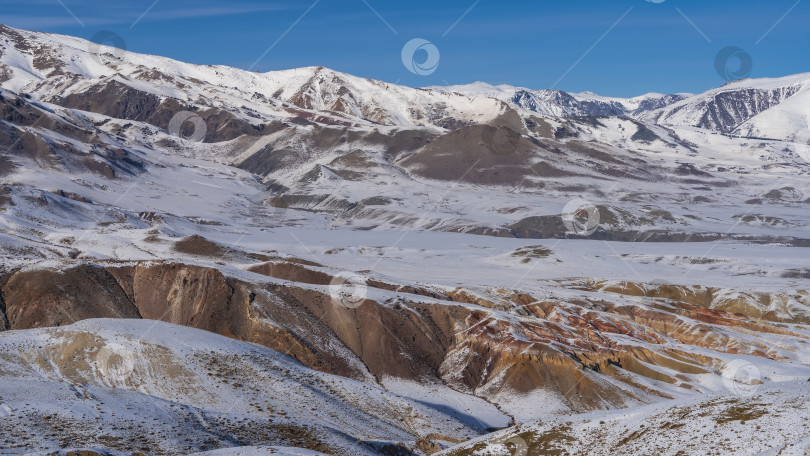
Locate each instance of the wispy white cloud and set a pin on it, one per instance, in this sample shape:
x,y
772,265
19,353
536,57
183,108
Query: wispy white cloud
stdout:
x,y
36,22
230,10
17,12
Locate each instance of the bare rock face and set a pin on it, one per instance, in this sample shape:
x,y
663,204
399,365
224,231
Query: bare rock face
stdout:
x,y
4,325
303,323
379,334
294,272
190,296
203,298
41,298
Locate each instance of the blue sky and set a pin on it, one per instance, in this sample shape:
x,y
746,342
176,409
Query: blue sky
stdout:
x,y
612,47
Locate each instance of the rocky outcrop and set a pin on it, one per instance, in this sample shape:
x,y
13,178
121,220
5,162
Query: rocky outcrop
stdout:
x,y
40,298
304,323
717,305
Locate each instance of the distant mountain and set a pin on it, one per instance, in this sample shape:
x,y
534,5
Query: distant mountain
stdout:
x,y
562,104
64,69
78,73
763,108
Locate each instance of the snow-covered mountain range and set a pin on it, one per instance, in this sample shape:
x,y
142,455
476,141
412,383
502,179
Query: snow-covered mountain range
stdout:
x,y
57,66
394,270
562,104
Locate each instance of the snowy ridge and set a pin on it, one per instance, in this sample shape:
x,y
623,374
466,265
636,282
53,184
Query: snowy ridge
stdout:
x,y
222,384
772,108
561,104
30,59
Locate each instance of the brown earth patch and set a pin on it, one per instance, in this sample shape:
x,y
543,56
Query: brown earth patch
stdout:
x,y
293,272
467,154
53,298
198,245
